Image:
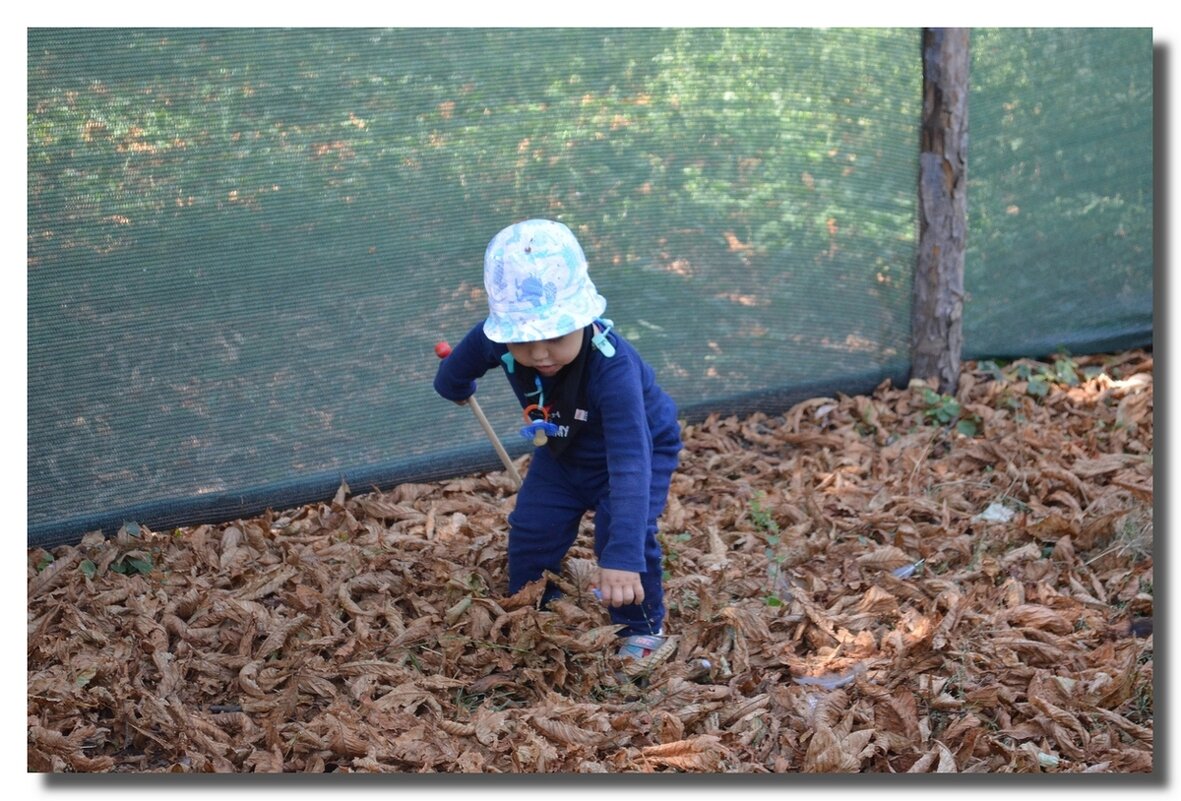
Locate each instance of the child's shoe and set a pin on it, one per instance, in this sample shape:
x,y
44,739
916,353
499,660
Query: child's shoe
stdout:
x,y
642,652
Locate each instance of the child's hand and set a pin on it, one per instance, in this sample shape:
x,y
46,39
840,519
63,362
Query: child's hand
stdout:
x,y
619,587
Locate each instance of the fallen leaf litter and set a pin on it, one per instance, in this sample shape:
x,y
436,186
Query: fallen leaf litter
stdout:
x,y
853,587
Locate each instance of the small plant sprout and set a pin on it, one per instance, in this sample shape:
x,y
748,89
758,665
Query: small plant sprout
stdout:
x,y
946,411
763,520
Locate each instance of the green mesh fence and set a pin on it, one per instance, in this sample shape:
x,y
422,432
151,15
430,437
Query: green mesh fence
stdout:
x,y
243,244
1060,203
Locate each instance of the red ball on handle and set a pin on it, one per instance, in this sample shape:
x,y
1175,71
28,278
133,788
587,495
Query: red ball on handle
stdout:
x,y
442,350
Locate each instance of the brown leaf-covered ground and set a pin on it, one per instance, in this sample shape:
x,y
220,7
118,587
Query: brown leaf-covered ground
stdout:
x,y
855,585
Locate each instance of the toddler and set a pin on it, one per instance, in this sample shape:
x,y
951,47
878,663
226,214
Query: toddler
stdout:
x,y
607,435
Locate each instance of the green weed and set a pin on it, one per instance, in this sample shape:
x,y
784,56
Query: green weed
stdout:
x,y
945,410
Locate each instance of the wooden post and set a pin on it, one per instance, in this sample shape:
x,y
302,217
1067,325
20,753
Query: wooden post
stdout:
x,y
937,336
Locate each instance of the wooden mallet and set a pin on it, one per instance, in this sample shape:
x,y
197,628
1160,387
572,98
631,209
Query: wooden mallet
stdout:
x,y
443,350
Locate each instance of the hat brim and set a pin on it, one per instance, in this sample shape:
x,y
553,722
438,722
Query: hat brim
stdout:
x,y
533,327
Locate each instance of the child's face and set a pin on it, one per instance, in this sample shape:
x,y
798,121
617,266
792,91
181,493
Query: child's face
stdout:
x,y
548,356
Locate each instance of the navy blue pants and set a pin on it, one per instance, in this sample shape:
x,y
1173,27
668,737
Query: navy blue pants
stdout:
x,y
551,504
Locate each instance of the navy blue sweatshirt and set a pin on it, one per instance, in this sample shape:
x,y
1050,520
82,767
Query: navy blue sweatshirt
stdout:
x,y
626,414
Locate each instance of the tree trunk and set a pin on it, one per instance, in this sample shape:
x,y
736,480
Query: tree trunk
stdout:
x,y
937,336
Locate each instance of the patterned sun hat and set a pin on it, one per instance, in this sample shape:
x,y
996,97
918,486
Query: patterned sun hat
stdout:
x,y
537,283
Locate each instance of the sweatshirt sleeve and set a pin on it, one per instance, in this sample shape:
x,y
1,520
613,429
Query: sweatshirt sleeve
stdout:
x,y
629,461
474,356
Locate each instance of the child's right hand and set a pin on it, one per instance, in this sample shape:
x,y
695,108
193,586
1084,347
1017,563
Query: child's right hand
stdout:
x,y
619,587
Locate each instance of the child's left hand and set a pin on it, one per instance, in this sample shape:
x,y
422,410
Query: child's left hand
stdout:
x,y
619,587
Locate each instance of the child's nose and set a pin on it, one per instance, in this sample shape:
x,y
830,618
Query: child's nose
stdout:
x,y
539,351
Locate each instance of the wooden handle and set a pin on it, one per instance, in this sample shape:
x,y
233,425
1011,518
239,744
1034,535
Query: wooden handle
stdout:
x,y
500,451
443,350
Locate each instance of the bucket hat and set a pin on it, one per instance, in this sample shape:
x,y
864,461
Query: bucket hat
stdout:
x,y
538,288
